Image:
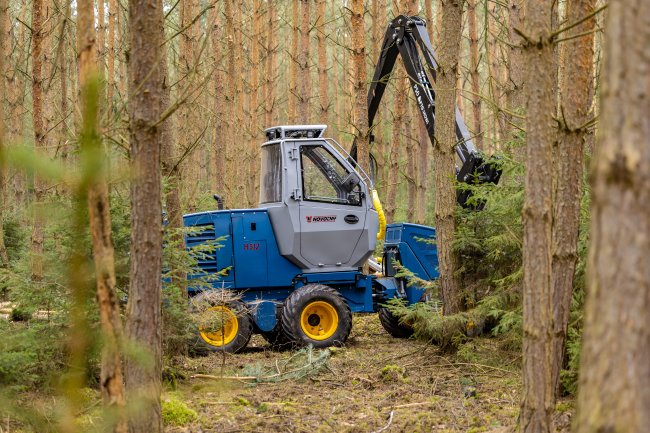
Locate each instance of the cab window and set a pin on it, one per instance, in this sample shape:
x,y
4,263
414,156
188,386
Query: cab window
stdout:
x,y
325,179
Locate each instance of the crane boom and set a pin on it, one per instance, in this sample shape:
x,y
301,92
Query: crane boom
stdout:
x,y
403,36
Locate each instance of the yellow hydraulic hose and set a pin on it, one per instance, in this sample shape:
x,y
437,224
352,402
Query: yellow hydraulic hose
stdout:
x,y
380,212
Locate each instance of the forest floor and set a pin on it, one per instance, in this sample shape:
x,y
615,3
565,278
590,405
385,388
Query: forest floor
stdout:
x,y
375,384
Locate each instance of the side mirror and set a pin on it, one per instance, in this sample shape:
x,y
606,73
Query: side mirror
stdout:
x,y
350,182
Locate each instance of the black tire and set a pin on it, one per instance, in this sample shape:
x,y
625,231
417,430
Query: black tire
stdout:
x,y
209,342
392,326
323,301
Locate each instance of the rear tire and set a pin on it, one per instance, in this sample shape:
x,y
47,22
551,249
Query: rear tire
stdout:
x,y
233,335
392,326
316,315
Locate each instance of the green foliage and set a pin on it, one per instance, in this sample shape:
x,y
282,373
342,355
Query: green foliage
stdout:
x,y
177,413
28,356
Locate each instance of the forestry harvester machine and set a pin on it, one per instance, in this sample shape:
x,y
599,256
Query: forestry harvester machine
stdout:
x,y
295,262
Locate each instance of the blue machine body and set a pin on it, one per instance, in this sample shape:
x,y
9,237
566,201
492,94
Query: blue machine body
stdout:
x,y
251,263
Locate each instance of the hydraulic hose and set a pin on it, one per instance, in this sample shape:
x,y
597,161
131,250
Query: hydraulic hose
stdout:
x,y
380,212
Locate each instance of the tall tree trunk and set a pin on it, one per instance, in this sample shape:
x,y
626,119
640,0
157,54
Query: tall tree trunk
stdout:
x,y
538,400
304,59
221,124
294,62
111,383
396,144
423,174
576,96
474,72
614,387
517,67
110,54
323,80
444,156
270,65
229,95
360,107
39,135
4,61
254,117
143,381
101,35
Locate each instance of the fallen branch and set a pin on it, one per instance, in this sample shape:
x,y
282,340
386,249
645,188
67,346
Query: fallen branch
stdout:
x,y
390,421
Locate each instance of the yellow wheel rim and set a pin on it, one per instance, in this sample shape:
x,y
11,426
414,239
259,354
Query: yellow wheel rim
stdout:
x,y
319,320
228,331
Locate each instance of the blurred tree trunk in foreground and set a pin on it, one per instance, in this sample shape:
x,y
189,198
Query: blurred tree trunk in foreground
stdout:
x,y
614,388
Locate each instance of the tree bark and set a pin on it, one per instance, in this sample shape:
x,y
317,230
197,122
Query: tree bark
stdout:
x,y
305,77
323,80
516,58
4,61
143,381
360,106
538,400
221,125
292,96
270,65
110,52
111,377
39,135
614,387
576,95
474,72
444,156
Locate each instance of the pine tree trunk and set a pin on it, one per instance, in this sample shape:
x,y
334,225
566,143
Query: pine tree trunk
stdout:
x,y
538,401
143,382
423,175
270,65
444,156
110,51
253,180
305,77
39,135
614,387
395,143
474,73
294,63
323,79
229,95
576,97
217,152
4,61
111,377
516,67
360,106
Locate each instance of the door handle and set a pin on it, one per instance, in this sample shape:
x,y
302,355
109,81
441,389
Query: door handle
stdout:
x,y
351,219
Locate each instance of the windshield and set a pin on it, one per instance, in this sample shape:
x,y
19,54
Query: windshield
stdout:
x,y
271,174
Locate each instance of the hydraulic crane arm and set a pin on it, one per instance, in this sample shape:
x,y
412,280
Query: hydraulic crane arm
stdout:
x,y
403,36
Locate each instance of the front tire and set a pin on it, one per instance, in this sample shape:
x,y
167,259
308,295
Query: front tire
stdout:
x,y
232,327
392,325
316,315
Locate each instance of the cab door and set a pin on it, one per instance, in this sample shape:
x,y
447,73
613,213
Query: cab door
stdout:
x,y
332,207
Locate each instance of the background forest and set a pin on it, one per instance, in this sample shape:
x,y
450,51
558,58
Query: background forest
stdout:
x,y
111,116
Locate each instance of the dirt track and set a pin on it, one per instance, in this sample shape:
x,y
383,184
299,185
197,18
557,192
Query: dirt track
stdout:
x,y
375,384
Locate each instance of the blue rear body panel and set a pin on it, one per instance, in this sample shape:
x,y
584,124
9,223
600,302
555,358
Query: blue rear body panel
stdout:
x,y
417,252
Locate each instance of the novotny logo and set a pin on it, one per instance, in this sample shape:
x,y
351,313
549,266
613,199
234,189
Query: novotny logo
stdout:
x,y
321,218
